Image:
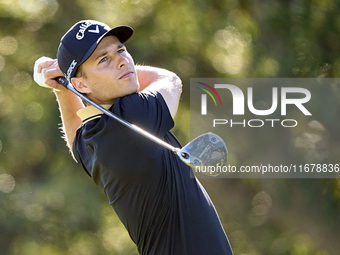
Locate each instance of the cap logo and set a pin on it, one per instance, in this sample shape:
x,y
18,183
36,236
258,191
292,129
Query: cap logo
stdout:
x,y
81,33
70,69
96,31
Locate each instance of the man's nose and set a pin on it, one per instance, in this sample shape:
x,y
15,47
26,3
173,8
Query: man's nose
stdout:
x,y
123,61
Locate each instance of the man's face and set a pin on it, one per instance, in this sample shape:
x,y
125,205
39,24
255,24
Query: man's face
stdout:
x,y
109,73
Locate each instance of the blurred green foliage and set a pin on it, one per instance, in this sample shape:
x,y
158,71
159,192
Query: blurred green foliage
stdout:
x,y
50,206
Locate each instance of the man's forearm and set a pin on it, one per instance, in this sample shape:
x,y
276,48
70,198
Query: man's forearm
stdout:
x,y
167,83
69,104
148,75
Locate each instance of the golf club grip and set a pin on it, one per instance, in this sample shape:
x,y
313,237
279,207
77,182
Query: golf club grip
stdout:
x,y
62,81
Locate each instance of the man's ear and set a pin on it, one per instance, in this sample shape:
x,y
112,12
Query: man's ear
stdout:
x,y
78,84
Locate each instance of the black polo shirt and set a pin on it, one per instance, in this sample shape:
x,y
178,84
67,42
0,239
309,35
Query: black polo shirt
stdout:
x,y
164,209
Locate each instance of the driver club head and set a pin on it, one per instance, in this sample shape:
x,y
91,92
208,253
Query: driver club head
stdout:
x,y
205,154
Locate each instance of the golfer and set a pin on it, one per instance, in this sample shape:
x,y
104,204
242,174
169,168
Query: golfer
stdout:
x,y
165,210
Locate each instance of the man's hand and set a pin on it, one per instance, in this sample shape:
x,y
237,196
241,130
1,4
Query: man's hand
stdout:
x,y
51,70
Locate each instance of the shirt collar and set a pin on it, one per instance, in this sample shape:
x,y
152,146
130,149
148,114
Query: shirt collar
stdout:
x,y
90,113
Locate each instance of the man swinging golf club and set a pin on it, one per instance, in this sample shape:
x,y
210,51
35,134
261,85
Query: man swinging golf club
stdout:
x,y
165,210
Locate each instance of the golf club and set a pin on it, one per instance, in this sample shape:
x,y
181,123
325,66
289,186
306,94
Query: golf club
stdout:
x,y
207,150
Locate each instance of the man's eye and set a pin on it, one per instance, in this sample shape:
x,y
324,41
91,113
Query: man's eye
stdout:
x,y
121,50
103,60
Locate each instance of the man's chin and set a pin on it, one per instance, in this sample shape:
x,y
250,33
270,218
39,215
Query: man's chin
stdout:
x,y
135,88
133,91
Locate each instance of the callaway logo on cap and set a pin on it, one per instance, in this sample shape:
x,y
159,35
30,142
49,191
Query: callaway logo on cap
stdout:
x,y
82,39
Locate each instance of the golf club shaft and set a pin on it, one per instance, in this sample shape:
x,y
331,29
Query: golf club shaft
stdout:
x,y
64,82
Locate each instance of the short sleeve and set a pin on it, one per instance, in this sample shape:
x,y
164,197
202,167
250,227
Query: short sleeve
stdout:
x,y
148,111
